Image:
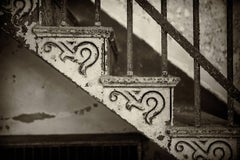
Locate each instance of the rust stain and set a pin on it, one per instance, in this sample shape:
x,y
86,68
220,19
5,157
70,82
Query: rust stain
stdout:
x,y
85,109
88,108
7,127
95,105
160,137
14,78
2,118
29,118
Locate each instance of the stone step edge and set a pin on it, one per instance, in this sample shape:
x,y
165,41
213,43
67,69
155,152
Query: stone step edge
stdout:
x,y
203,132
136,81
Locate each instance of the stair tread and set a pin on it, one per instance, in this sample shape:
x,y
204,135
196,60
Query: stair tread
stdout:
x,y
159,81
187,118
71,31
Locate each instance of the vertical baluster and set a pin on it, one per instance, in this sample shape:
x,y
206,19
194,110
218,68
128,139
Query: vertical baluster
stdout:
x,y
24,153
64,12
164,40
139,149
97,12
40,12
230,57
129,37
197,86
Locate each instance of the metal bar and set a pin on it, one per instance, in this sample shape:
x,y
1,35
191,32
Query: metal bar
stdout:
x,y
164,40
50,153
193,52
230,101
97,12
197,87
129,37
24,153
40,12
59,153
139,147
64,12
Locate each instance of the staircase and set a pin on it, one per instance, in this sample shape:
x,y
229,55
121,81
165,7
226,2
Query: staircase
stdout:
x,y
86,55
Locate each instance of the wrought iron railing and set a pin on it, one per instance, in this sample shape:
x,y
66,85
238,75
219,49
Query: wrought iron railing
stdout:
x,y
199,59
192,49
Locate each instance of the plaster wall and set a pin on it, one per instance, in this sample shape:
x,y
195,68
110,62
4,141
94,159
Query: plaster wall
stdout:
x,y
36,99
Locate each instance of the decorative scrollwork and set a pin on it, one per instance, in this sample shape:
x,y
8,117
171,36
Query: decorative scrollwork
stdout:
x,y
152,99
17,8
202,150
85,53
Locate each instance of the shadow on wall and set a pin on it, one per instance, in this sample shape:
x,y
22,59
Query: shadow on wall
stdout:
x,y
147,62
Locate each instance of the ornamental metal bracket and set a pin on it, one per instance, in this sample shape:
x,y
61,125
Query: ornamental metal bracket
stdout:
x,y
145,102
204,148
77,52
84,53
151,102
205,142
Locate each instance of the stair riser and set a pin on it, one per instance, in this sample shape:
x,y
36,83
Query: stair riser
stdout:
x,y
146,108
80,59
207,148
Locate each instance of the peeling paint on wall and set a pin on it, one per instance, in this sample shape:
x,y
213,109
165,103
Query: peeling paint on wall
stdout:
x,y
29,118
85,109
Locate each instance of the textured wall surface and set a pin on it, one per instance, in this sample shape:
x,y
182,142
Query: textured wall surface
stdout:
x,y
36,99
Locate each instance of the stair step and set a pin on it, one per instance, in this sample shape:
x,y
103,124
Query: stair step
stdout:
x,y
117,81
187,118
203,131
205,142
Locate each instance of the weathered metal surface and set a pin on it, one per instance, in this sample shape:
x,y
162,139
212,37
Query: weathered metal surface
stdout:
x,y
217,75
115,81
17,18
97,12
132,102
52,12
64,12
130,37
77,52
164,40
230,101
18,9
95,32
204,148
203,131
197,86
145,102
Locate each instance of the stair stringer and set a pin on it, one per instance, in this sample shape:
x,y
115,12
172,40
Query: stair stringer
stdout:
x,y
64,47
98,84
89,82
206,142
145,102
76,52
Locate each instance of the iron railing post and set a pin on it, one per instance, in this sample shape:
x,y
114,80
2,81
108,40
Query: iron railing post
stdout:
x,y
191,50
40,12
97,12
63,12
197,85
230,101
164,40
129,37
